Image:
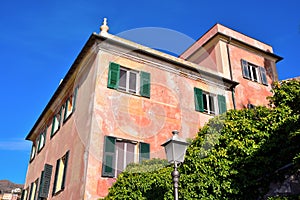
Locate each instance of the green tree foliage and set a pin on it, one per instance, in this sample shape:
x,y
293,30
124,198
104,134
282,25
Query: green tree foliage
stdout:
x,y
287,93
149,180
234,156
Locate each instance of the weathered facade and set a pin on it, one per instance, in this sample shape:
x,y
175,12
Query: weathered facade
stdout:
x,y
120,101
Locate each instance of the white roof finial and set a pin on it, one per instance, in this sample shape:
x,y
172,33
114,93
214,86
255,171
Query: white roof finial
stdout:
x,y
104,28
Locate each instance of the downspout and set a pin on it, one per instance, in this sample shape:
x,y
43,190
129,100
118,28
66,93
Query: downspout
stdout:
x,y
231,76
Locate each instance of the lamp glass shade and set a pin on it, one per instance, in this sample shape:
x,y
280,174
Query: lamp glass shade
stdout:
x,y
175,150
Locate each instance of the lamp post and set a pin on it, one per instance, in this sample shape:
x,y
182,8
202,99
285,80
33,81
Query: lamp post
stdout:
x,y
175,149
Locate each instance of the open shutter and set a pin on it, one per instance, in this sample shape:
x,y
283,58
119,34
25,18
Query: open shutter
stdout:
x,y
263,76
198,98
144,151
245,69
31,190
145,84
24,194
222,104
45,181
56,176
108,166
113,75
74,98
65,171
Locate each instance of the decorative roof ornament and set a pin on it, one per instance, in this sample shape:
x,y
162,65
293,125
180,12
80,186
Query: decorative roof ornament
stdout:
x,y
104,28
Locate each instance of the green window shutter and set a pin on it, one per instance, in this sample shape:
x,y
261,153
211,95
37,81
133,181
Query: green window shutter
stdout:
x,y
198,98
108,166
222,104
65,171
45,181
56,176
113,75
144,151
145,84
263,75
245,69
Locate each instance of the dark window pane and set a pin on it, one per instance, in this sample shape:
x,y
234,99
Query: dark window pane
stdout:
x,y
205,103
254,73
211,105
123,78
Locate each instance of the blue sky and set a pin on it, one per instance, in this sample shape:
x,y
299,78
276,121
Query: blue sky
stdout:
x,y
39,40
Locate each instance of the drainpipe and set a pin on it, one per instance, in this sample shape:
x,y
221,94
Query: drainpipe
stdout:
x,y
231,77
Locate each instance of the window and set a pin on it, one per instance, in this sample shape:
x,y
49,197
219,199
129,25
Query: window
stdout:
x,y
24,194
40,142
118,153
209,103
33,190
45,181
128,80
70,105
254,73
56,122
60,174
32,154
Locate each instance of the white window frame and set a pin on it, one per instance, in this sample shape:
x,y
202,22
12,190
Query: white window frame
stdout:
x,y
41,141
126,88
33,151
252,68
206,95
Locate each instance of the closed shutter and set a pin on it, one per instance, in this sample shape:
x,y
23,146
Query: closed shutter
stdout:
x,y
198,98
144,151
65,171
222,104
263,76
45,181
145,84
113,75
245,69
108,166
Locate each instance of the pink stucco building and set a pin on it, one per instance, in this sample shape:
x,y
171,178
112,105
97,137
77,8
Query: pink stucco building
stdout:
x,y
120,101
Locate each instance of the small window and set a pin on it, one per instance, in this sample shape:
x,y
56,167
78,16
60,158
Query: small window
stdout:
x,y
70,105
209,103
128,80
254,73
60,174
118,153
41,141
33,190
33,151
56,123
24,194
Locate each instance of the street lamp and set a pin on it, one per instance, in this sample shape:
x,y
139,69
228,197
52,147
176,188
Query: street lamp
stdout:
x,y
175,149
